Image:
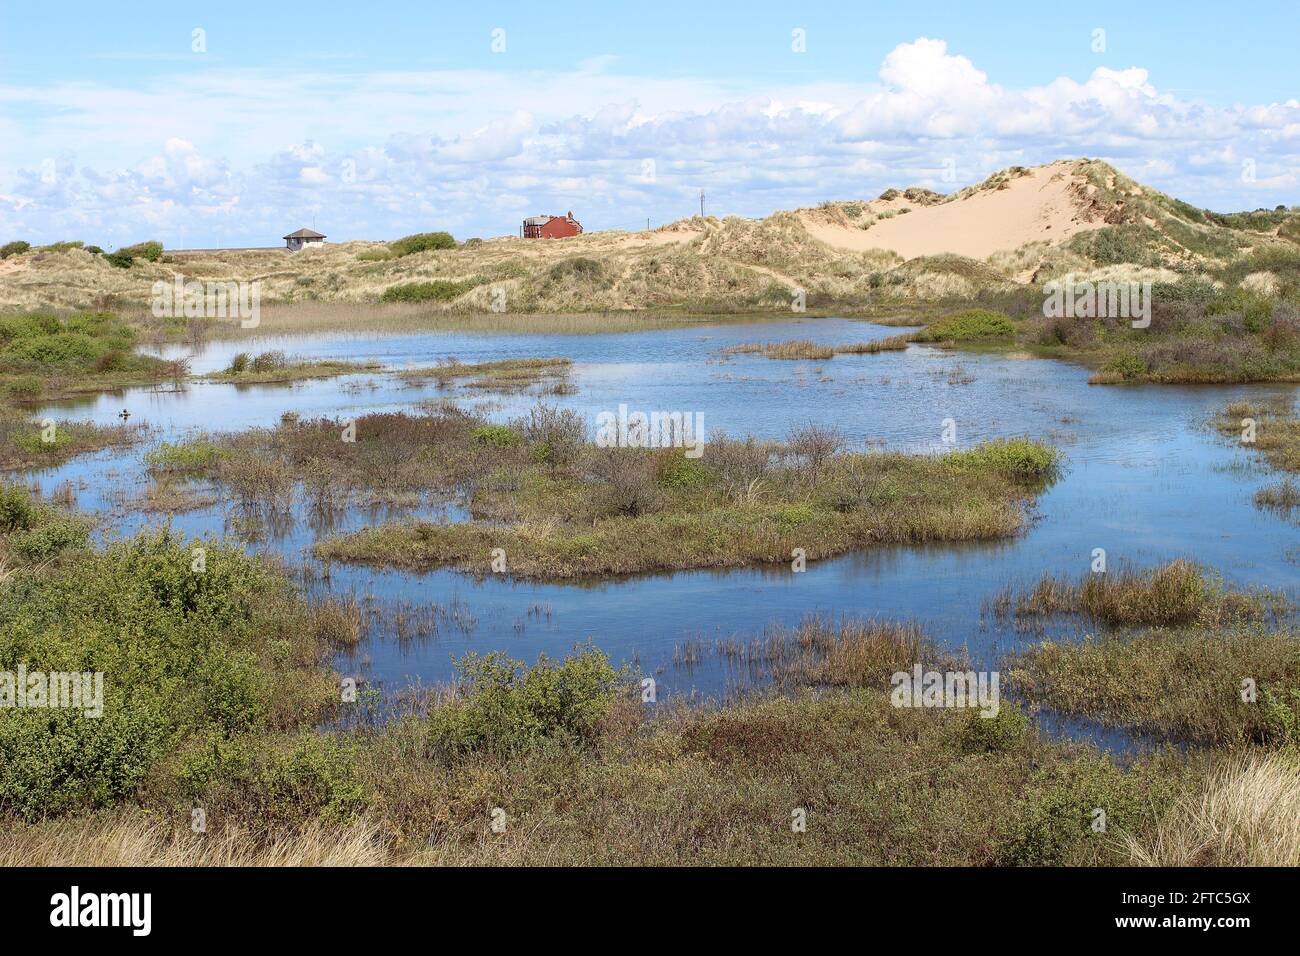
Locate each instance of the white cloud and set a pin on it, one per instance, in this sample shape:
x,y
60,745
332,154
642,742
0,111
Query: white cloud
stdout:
x,y
240,154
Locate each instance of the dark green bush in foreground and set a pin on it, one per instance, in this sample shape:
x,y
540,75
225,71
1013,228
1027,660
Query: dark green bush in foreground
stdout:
x,y
191,654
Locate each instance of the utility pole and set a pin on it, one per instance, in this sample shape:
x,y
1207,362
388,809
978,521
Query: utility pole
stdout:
x,y
701,203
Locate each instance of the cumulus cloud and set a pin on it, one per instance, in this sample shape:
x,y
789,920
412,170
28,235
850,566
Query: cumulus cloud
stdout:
x,y
383,153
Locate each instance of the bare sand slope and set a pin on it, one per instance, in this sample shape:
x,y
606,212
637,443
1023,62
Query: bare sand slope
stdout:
x,y
1046,203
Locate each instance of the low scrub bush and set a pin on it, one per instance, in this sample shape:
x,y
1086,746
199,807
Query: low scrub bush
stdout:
x,y
968,326
421,242
502,705
438,290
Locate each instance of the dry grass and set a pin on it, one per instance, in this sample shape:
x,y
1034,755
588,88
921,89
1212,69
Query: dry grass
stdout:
x,y
505,375
137,839
791,349
702,264
894,343
1276,430
807,349
1248,814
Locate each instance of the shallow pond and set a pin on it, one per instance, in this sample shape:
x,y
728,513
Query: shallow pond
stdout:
x,y
1145,479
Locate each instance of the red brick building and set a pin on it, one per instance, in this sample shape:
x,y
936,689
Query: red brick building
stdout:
x,y
551,227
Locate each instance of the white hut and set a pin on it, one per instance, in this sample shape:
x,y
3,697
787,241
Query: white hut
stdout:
x,y
303,237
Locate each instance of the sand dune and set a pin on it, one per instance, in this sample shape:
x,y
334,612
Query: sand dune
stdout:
x,y
1045,203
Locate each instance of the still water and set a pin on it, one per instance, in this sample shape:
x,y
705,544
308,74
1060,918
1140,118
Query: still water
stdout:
x,y
1144,478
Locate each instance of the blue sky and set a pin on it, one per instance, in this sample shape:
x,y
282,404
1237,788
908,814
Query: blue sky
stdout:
x,y
374,120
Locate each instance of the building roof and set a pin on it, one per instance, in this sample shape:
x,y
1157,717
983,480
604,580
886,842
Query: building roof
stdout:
x,y
538,220
305,234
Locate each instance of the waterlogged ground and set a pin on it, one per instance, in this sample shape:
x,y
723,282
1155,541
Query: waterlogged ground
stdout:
x,y
1144,479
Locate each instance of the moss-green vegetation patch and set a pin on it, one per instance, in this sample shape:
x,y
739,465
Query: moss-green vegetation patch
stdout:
x,y
28,444
1273,430
562,508
1223,685
807,349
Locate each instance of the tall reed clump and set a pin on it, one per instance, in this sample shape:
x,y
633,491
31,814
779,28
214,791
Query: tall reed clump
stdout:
x,y
791,349
1176,593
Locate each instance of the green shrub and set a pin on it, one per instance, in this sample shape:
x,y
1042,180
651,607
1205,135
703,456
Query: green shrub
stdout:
x,y
150,251
188,656
675,470
498,436
304,777
1138,244
114,360
62,348
239,364
268,362
503,705
439,290
123,258
1129,366
56,760
579,268
17,247
49,539
1054,824
35,443
1001,733
968,326
422,242
16,509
